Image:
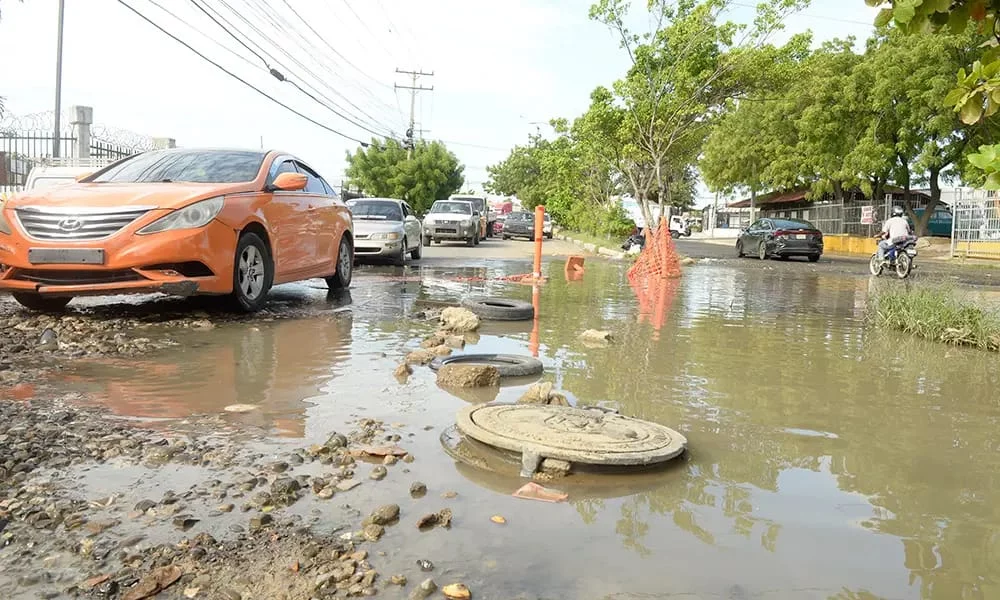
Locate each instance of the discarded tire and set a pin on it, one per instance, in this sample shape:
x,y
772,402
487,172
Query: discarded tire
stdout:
x,y
508,365
500,309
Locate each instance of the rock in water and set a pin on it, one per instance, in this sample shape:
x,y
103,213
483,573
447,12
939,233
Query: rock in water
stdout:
x,y
433,341
459,320
457,591
427,587
240,408
466,376
420,357
403,372
384,515
378,473
418,489
538,393
373,532
595,337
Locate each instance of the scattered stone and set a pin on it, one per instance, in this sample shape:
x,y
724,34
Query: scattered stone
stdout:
x,y
390,460
191,592
144,505
226,508
379,451
278,467
595,337
258,522
408,458
687,261
347,485
467,376
433,341
456,591
403,372
335,441
449,495
454,341
399,580
498,519
154,583
420,357
378,473
326,493
541,393
426,588
284,486
184,522
441,350
240,408
418,489
384,515
442,518
554,467
459,320
372,532
49,340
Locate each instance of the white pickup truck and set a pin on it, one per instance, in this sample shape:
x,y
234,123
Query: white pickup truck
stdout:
x,y
57,171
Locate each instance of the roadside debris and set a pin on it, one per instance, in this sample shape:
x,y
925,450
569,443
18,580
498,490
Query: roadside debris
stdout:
x,y
379,451
533,491
595,337
403,372
421,356
541,393
425,565
464,376
457,591
154,583
442,518
240,408
459,320
498,519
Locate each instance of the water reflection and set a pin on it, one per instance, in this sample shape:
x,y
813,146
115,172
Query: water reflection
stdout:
x,y
274,366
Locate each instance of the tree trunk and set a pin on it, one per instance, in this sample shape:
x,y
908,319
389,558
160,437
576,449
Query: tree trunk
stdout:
x,y
920,224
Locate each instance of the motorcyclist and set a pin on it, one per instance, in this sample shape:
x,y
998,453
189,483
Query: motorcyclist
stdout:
x,y
894,230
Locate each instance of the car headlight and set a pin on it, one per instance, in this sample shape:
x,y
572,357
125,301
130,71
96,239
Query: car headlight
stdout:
x,y
392,235
4,225
194,216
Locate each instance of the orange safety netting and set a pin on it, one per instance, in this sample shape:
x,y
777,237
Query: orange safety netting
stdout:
x,y
654,274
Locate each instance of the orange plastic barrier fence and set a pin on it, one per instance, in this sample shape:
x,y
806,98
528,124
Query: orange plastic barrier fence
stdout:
x,y
653,277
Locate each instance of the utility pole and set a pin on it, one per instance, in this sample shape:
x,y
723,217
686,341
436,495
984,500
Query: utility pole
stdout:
x,y
56,133
414,88
753,190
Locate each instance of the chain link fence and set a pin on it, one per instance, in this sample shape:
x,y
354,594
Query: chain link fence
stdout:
x,y
976,224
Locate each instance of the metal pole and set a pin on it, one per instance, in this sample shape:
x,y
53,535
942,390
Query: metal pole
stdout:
x,y
56,133
539,225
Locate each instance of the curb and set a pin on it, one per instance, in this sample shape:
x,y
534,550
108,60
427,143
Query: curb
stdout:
x,y
590,247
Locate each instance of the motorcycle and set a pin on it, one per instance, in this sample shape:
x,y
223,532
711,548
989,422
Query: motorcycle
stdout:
x,y
899,256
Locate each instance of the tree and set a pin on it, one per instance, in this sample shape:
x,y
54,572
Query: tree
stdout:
x,y
383,170
683,73
976,95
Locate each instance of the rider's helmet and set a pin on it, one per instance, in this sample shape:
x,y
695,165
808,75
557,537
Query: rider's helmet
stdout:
x,y
897,211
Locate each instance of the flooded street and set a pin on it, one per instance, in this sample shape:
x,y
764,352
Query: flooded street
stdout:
x,y
826,460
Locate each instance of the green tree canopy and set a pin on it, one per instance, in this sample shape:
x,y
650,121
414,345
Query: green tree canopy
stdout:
x,y
383,169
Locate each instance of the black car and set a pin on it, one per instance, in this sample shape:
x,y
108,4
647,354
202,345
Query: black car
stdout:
x,y
519,224
781,238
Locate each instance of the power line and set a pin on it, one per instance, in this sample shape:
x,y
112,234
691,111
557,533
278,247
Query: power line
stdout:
x,y
205,35
370,125
240,79
278,21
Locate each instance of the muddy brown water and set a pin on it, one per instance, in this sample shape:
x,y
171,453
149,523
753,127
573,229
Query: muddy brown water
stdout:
x,y
826,460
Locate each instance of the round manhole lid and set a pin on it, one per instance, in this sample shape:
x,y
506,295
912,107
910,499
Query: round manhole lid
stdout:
x,y
571,434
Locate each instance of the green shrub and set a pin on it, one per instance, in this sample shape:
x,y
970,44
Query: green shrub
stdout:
x,y
936,314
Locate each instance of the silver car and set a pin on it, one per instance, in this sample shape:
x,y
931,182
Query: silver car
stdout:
x,y
451,220
384,228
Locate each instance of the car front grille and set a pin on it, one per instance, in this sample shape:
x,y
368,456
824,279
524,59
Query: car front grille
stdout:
x,y
75,277
76,225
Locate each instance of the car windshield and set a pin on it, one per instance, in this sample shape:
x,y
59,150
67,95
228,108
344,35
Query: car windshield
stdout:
x,y
791,224
191,166
518,216
458,208
478,203
381,210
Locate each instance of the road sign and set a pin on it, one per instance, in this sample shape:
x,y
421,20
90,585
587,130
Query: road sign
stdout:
x,y
867,215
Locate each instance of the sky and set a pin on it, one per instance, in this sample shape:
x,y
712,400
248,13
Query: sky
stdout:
x,y
501,68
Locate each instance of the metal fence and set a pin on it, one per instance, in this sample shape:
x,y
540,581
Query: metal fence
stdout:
x,y
21,151
975,224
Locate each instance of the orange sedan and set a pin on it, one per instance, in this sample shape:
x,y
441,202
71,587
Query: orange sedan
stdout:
x,y
180,222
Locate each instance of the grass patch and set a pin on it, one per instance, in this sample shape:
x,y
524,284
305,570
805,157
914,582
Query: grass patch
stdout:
x,y
599,240
936,314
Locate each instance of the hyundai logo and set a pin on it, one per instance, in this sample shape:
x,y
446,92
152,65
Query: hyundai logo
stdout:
x,y
70,224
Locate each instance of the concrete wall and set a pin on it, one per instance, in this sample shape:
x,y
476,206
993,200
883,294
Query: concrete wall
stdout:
x,y
849,244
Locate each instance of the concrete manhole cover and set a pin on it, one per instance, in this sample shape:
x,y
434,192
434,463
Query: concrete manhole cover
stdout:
x,y
572,434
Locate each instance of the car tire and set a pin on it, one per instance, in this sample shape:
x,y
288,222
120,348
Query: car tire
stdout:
x,y
40,303
506,237
500,309
427,240
762,251
739,249
548,236
814,258
508,365
470,242
341,278
417,252
253,274
675,235
477,240
400,259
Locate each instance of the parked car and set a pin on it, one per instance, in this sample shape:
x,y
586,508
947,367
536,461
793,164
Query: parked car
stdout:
x,y
59,171
519,224
781,238
385,228
179,222
547,226
487,216
451,220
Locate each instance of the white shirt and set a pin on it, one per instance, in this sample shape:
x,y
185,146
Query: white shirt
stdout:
x,y
896,227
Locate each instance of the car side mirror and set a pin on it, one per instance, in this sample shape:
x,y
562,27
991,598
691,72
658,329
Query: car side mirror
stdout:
x,y
289,182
